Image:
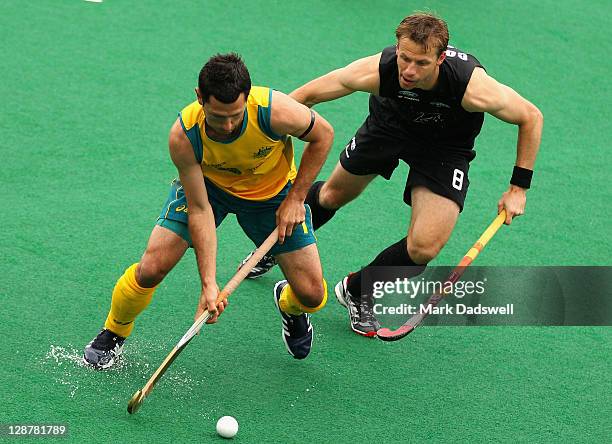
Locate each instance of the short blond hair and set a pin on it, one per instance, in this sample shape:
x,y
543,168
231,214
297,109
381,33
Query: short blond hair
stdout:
x,y
424,29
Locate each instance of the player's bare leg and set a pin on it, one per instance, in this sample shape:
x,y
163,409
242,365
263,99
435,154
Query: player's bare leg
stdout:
x,y
432,221
164,249
131,295
304,292
431,224
341,188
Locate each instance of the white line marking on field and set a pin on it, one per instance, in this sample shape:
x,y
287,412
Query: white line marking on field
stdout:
x,y
94,1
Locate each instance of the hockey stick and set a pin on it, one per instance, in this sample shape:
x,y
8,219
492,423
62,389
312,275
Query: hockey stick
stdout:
x,y
386,334
136,400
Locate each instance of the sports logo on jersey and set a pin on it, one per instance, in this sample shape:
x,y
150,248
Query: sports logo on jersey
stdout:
x,y
220,167
408,95
439,104
252,170
428,118
263,152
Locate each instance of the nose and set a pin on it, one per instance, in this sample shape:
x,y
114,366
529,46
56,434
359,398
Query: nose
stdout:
x,y
228,126
409,71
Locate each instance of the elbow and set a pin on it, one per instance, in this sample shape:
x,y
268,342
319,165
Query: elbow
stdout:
x,y
299,96
322,136
329,135
309,101
531,119
536,116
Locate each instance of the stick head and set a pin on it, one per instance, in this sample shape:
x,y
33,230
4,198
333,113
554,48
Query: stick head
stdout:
x,y
135,402
385,334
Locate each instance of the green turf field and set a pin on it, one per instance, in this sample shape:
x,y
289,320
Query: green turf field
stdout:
x,y
89,91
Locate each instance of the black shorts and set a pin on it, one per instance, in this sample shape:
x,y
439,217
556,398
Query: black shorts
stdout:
x,y
443,170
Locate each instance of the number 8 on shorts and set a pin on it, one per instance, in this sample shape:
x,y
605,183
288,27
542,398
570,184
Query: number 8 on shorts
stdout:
x,y
458,179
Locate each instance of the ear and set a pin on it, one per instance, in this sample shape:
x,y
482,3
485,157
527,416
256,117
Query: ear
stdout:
x,y
441,58
199,96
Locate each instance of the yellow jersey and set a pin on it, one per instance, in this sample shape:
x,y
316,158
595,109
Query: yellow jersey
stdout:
x,y
256,164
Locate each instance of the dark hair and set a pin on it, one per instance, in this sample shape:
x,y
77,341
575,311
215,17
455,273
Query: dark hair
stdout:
x,y
424,29
224,76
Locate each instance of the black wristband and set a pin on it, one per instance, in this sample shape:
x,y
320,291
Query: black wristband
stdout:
x,y
312,121
521,177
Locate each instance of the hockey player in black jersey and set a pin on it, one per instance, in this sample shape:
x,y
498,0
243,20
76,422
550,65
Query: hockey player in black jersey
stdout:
x,y
427,105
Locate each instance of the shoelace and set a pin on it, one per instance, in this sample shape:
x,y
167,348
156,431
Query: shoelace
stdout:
x,y
367,314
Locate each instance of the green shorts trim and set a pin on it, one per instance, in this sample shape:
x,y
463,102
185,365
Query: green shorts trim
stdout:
x,y
257,219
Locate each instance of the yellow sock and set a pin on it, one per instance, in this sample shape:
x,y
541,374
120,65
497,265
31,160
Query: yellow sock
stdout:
x,y
290,304
129,299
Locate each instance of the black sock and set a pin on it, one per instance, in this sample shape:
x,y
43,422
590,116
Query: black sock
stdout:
x,y
395,255
320,215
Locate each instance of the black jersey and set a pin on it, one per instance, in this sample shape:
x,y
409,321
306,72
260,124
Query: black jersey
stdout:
x,y
433,117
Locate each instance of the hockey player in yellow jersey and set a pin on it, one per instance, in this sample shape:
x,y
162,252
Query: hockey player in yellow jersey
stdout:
x,y
259,163
233,152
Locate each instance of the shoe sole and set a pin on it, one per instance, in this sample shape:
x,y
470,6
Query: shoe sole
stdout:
x,y
283,329
338,290
96,366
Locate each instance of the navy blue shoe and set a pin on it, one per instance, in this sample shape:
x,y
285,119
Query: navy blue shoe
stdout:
x,y
104,350
297,330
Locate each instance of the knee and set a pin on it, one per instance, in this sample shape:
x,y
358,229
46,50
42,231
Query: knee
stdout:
x,y
422,251
150,272
332,197
312,294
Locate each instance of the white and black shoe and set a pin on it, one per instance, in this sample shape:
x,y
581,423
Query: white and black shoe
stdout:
x,y
360,310
297,330
262,267
104,350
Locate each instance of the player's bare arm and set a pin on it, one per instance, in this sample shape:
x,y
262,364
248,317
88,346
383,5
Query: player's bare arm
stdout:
x,y
201,219
485,94
360,75
292,118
